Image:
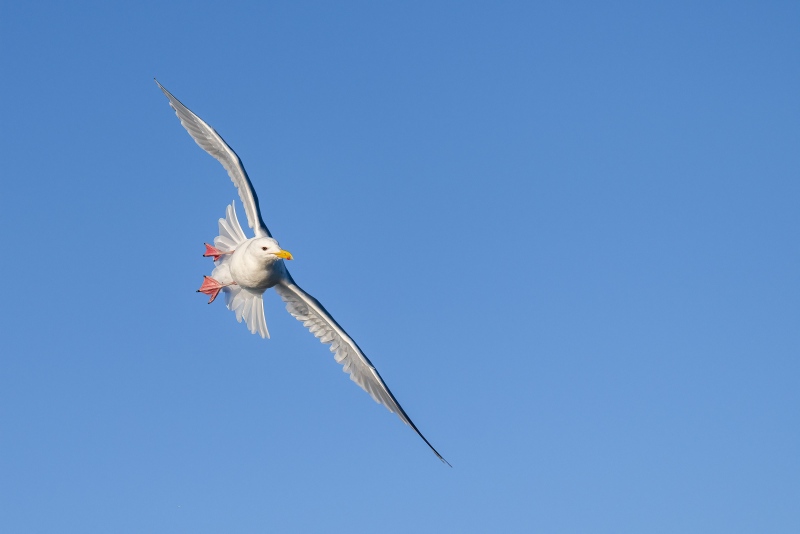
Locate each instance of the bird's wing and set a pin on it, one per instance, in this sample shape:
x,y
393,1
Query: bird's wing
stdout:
x,y
210,141
316,318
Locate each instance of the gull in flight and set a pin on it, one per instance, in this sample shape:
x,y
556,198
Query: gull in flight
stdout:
x,y
246,267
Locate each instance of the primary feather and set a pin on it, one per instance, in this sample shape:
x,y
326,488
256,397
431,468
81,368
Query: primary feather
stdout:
x,y
210,141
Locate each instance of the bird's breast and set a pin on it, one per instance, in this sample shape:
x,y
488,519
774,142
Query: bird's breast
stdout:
x,y
253,274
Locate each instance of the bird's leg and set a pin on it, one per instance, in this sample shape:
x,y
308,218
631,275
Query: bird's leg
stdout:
x,y
212,287
214,252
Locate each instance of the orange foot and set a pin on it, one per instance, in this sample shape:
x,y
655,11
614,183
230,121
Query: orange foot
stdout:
x,y
215,253
212,287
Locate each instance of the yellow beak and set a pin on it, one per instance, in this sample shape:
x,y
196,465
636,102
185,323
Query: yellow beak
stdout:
x,y
285,254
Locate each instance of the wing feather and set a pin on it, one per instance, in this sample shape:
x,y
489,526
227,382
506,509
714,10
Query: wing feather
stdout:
x,y
316,318
210,141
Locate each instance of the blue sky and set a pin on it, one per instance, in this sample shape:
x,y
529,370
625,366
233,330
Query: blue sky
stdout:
x,y
566,233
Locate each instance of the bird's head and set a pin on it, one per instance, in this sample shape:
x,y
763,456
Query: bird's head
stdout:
x,y
268,250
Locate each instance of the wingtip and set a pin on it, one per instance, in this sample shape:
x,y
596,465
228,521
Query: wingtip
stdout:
x,y
442,458
432,448
164,90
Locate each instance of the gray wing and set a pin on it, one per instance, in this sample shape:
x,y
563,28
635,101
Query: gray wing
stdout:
x,y
316,318
210,141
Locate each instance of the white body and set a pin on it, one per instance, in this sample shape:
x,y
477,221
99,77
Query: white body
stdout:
x,y
247,272
253,272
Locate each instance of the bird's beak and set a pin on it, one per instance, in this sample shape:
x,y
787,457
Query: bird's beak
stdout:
x,y
285,254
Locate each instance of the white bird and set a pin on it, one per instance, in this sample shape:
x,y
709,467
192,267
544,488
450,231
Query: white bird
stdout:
x,y
246,268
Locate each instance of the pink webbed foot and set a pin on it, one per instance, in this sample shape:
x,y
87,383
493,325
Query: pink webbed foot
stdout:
x,y
215,253
212,287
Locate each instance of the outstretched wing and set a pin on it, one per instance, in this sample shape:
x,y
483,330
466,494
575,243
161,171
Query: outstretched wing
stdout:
x,y
316,318
210,141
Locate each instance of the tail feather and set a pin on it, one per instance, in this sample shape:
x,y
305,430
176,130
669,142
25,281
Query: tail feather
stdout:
x,y
248,307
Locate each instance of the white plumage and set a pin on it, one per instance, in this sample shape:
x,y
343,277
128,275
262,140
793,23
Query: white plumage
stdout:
x,y
246,267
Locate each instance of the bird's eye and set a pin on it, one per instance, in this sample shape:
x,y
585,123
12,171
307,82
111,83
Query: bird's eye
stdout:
x,y
263,248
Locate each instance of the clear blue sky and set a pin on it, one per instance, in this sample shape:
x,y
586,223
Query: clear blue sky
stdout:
x,y
566,233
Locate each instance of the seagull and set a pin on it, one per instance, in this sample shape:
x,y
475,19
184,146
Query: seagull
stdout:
x,y
246,267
